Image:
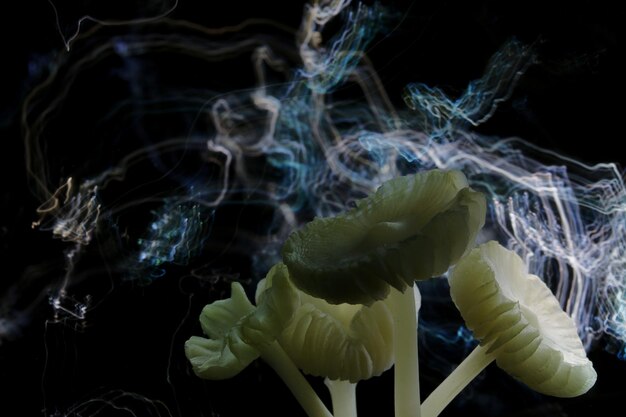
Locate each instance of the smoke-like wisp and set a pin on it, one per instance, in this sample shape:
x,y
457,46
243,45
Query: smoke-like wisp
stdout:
x,y
313,131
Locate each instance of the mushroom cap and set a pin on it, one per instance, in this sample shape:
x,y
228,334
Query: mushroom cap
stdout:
x,y
236,328
337,341
516,316
412,228
224,354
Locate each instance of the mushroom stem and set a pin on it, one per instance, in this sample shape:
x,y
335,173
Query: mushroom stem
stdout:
x,y
282,364
343,395
406,368
469,369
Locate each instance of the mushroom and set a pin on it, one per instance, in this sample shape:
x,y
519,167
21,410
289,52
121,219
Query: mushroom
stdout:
x,y
519,323
345,343
412,228
238,333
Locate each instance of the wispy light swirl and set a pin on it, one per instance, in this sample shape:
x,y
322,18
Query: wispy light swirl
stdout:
x,y
292,146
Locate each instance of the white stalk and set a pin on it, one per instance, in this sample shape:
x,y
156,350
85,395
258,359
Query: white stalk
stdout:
x,y
469,369
343,395
406,368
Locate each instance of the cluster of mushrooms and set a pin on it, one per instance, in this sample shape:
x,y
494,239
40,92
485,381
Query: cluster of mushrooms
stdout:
x,y
343,304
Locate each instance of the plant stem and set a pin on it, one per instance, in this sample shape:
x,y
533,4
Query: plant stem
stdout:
x,y
343,394
469,369
406,368
276,357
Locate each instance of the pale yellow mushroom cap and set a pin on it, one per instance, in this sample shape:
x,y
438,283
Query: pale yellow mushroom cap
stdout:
x,y
337,341
412,228
516,316
235,329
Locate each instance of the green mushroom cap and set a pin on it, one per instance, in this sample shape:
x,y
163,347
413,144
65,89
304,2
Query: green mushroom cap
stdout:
x,y
236,328
338,341
516,316
412,228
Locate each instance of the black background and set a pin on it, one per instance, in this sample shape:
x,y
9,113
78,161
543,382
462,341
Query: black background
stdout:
x,y
130,345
